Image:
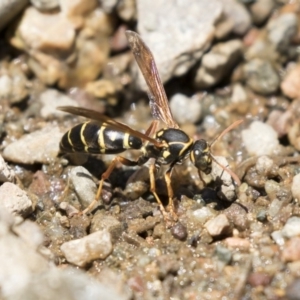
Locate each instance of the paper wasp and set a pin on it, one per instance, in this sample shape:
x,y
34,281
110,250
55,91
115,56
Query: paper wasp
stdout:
x,y
168,146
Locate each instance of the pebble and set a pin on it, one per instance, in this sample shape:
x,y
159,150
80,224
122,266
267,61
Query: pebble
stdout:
x,y
259,279
101,221
45,5
37,31
223,254
291,227
278,237
179,231
10,9
50,100
15,200
126,10
13,85
218,62
217,173
26,274
292,291
237,13
281,30
290,83
291,250
264,165
203,214
218,226
237,243
189,37
30,233
296,187
83,184
6,173
185,109
97,245
260,139
237,214
261,10
261,76
41,146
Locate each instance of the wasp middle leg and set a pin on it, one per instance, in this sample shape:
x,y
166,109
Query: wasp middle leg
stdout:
x,y
105,175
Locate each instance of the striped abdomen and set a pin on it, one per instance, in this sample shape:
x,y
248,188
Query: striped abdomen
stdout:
x,y
93,137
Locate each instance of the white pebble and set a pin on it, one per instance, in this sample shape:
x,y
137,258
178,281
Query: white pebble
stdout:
x,y
218,226
15,200
260,139
6,173
296,187
291,227
80,252
84,186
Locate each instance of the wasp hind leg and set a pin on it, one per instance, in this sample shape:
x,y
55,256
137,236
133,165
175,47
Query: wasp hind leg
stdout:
x,y
105,175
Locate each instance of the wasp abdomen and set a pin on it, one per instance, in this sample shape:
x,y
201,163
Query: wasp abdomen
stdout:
x,y
92,137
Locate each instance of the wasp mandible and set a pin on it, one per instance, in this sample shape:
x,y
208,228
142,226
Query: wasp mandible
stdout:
x,y
167,146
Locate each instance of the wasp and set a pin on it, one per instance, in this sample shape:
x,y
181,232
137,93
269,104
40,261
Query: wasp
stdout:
x,y
167,146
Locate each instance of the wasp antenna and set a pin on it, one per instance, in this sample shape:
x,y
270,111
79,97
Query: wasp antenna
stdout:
x,y
230,127
231,173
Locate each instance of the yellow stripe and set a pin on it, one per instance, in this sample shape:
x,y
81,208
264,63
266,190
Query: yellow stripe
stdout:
x,y
83,138
126,141
69,139
101,136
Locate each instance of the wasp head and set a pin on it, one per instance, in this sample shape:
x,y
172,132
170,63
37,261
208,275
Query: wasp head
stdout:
x,y
201,157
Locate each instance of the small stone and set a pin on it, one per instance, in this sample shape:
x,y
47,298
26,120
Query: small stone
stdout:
x,y
217,63
261,9
292,291
291,227
218,226
84,186
203,214
41,146
238,15
15,200
38,31
190,36
45,5
259,279
278,237
261,76
101,221
50,100
223,254
30,233
185,109
6,173
237,243
291,250
80,252
260,139
281,30
237,215
264,164
179,231
261,215
296,187
218,173
290,83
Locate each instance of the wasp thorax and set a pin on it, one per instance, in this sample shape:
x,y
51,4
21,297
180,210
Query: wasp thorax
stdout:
x,y
201,157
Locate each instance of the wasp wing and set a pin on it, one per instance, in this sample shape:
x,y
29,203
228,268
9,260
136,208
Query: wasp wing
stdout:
x,y
97,116
158,100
